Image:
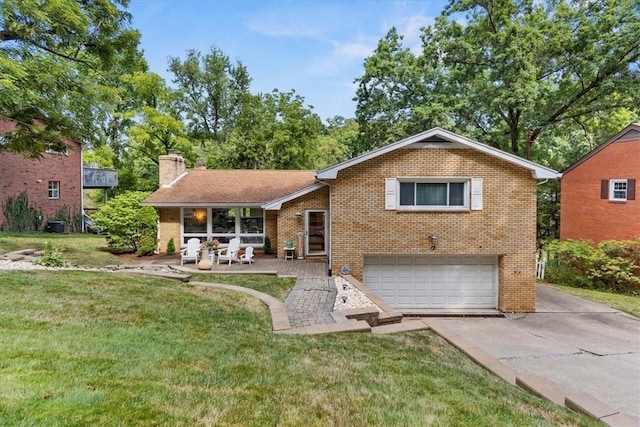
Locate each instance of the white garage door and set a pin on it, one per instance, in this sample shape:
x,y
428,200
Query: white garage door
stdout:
x,y
433,281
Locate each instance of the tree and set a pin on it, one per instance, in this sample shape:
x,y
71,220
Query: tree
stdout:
x,y
128,225
155,129
393,97
511,72
339,135
53,56
274,131
212,91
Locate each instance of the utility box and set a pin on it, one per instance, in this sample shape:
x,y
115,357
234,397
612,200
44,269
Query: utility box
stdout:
x,y
55,226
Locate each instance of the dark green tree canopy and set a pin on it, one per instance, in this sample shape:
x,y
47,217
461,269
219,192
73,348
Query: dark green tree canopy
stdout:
x,y
53,57
504,72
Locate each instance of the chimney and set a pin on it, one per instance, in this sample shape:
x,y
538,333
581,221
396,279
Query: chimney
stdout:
x,y
171,166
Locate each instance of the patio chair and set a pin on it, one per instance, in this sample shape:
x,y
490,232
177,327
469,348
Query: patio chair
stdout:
x,y
230,253
191,252
247,256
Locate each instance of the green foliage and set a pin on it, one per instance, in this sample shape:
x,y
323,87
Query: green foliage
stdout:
x,y
212,92
504,72
19,215
54,58
613,265
266,248
171,247
127,223
71,217
274,131
147,245
52,256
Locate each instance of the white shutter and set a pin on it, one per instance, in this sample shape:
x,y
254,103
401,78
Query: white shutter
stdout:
x,y
390,194
476,194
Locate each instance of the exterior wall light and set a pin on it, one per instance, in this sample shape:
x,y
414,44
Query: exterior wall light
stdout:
x,y
433,239
298,216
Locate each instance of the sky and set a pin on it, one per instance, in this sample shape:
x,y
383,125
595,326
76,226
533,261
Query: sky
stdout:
x,y
314,47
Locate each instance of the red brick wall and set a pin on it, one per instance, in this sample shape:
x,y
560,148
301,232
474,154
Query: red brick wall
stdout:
x,y
18,174
583,214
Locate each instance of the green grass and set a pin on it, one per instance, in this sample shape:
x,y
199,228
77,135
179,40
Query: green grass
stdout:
x,y
87,348
627,303
87,250
271,285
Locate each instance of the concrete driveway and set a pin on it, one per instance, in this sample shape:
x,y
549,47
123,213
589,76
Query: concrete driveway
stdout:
x,y
577,345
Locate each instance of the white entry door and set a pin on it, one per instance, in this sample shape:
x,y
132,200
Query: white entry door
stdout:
x,y
315,231
434,281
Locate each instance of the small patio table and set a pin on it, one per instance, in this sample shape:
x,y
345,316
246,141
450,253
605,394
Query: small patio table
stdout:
x,y
289,253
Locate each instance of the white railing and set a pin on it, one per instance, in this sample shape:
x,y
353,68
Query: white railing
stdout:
x,y
540,266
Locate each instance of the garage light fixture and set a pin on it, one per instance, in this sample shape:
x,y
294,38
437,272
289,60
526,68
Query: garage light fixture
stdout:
x,y
298,216
434,241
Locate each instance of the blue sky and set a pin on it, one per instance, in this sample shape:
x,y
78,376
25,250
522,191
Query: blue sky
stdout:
x,y
315,47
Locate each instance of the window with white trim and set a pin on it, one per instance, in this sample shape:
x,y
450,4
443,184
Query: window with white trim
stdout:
x,y
433,194
54,189
618,189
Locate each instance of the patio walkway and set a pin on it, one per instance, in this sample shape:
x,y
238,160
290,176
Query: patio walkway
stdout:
x,y
310,301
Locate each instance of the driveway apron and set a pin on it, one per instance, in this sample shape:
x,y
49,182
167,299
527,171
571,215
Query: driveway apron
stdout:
x,y
579,346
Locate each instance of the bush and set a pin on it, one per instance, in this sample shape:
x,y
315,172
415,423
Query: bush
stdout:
x,y
613,265
266,248
52,256
171,247
147,245
19,215
127,223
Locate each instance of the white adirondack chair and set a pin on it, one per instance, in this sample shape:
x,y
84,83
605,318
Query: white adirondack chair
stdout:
x,y
230,253
247,256
191,252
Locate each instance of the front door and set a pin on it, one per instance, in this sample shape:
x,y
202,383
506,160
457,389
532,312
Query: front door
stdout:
x,y
315,232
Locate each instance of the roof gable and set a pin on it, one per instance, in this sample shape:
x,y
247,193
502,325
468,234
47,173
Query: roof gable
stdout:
x,y
441,138
630,133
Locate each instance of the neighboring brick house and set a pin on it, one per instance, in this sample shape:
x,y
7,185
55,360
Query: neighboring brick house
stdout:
x,y
52,182
598,192
434,221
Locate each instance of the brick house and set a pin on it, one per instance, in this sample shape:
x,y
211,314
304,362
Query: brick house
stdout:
x,y
598,192
434,221
52,182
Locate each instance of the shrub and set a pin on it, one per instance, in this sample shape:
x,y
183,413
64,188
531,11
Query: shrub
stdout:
x,y
52,256
127,223
171,247
613,265
147,245
19,215
266,248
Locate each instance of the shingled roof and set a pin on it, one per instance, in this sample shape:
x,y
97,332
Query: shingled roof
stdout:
x,y
230,187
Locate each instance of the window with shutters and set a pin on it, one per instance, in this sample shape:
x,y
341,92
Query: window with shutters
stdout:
x,y
618,190
433,194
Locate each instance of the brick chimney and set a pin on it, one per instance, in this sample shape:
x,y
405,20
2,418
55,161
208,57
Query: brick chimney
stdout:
x,y
171,166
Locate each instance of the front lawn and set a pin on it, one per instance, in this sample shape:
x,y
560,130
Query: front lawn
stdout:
x,y
87,250
86,348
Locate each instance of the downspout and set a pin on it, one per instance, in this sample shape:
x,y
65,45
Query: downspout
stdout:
x,y
329,244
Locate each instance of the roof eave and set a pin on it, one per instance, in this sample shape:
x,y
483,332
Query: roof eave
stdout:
x,y
537,171
276,204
